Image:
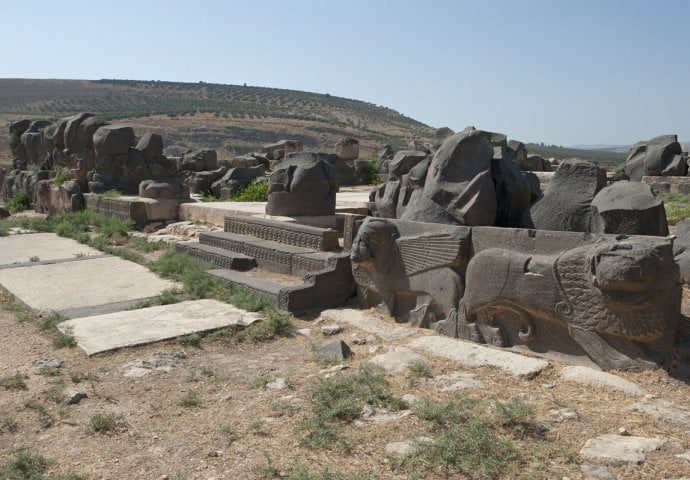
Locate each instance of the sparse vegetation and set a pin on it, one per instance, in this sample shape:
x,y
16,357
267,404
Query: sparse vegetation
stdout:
x,y
370,168
253,192
105,423
418,370
191,398
677,206
260,381
337,401
14,382
9,424
19,202
463,440
191,340
45,419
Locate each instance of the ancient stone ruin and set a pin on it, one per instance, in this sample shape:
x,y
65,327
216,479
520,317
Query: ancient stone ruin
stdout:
x,y
460,237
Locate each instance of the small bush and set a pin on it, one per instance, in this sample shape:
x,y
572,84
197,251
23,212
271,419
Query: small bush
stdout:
x,y
462,440
191,398
44,418
9,424
25,466
14,382
61,178
193,340
253,192
13,139
19,202
260,381
78,376
100,423
339,400
419,369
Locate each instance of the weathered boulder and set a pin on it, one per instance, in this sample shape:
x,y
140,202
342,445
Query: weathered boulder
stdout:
x,y
345,173
677,167
347,148
234,180
79,132
302,185
247,161
419,146
199,160
171,188
441,135
458,188
111,140
403,161
280,149
650,158
387,152
124,172
150,146
628,208
517,151
513,189
54,200
18,181
566,201
681,249
201,182
535,163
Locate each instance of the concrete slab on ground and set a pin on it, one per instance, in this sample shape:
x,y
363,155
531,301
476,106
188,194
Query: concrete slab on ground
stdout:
x,y
102,333
475,355
33,248
84,286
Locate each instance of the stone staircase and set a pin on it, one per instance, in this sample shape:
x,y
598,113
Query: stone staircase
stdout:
x,y
298,267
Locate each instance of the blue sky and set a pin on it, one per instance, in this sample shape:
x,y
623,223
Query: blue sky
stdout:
x,y
556,71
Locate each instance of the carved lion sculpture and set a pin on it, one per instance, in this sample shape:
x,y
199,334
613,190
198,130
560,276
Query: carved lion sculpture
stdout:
x,y
416,278
619,298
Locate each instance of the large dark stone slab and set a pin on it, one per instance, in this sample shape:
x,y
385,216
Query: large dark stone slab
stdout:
x,y
566,201
629,208
302,185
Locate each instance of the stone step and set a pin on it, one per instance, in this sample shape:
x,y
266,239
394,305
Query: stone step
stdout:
x,y
271,255
266,288
295,234
331,286
217,256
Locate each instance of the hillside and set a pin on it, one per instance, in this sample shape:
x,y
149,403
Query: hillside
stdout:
x,y
230,118
610,158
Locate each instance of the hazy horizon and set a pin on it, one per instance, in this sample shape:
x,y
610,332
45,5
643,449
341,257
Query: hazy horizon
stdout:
x,y
558,72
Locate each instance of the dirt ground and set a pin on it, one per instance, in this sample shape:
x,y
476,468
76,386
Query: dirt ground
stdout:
x,y
241,430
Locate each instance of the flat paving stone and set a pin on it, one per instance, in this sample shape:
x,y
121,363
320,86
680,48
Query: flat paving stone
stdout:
x,y
596,378
397,360
665,411
369,322
74,288
41,247
475,355
617,450
101,333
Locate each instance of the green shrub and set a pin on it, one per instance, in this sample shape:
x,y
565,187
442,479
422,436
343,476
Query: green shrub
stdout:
x,y
14,382
13,139
338,400
19,202
254,192
677,206
100,423
463,440
61,178
191,398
